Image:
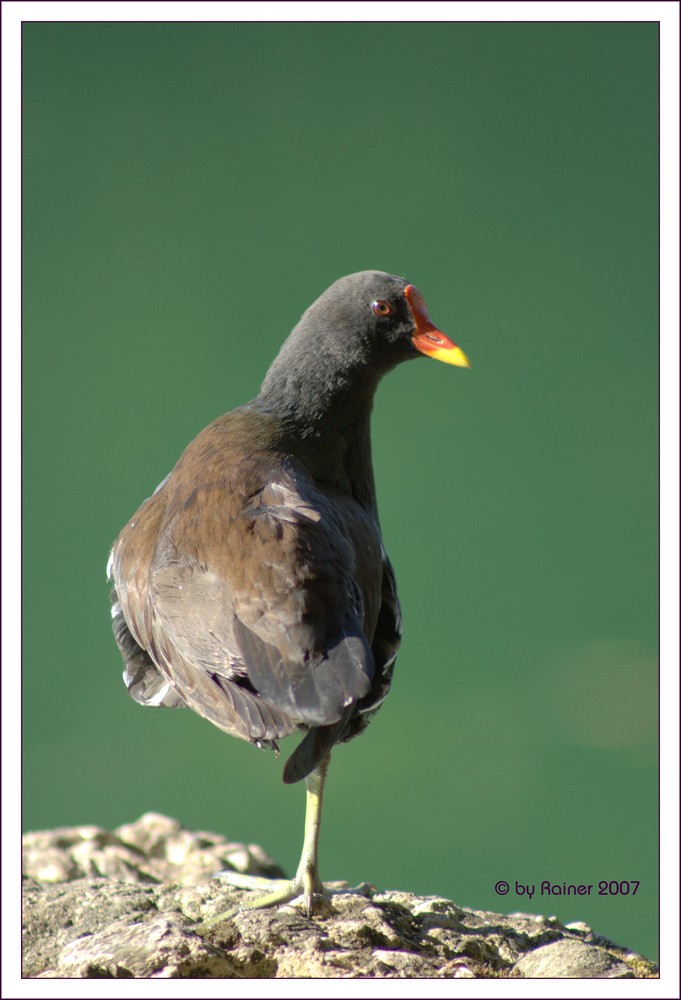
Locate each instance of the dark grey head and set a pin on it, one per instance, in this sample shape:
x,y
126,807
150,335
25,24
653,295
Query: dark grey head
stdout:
x,y
363,318
360,328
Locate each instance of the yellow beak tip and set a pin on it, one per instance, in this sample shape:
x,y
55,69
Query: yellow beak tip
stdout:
x,y
452,356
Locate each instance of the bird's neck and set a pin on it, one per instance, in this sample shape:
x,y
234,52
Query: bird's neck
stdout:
x,y
326,424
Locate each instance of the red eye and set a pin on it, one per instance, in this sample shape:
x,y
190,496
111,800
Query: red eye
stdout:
x,y
381,307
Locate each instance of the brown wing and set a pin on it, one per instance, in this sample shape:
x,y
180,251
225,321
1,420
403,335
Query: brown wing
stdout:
x,y
158,670
254,602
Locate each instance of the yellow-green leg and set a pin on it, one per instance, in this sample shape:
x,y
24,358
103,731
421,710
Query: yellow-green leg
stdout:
x,y
306,881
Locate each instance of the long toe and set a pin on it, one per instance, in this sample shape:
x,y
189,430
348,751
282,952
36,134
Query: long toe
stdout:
x,y
259,882
284,892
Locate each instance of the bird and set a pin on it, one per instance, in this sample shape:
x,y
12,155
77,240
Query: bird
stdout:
x,y
253,586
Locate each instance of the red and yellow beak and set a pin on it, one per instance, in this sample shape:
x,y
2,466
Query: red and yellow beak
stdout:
x,y
428,339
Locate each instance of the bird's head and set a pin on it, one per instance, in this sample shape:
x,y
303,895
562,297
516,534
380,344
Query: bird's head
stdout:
x,y
382,319
356,331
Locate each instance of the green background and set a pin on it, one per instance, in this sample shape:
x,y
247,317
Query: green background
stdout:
x,y
189,189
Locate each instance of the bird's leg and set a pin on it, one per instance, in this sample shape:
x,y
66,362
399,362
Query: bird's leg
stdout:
x,y
308,870
306,881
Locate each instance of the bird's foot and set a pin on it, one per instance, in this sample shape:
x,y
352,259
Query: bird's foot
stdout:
x,y
281,891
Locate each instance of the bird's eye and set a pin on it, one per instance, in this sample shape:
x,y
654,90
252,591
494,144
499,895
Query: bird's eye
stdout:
x,y
381,307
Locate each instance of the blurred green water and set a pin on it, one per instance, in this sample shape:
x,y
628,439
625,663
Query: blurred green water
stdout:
x,y
189,189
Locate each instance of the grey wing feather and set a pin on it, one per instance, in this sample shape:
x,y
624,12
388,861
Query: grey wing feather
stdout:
x,y
387,639
143,679
315,691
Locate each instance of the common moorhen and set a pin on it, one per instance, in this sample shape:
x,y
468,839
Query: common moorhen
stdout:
x,y
253,585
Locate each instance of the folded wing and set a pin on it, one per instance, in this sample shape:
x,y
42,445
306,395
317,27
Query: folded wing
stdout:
x,y
262,629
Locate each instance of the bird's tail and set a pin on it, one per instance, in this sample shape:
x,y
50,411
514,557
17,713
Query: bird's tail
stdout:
x,y
315,745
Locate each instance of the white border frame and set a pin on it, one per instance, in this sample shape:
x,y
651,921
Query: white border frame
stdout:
x,y
667,13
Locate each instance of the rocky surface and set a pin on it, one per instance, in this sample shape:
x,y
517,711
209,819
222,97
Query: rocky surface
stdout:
x,y
127,904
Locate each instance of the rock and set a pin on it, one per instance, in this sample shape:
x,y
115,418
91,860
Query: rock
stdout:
x,y
155,849
570,959
127,904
